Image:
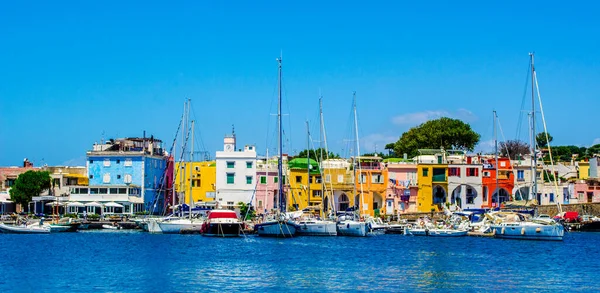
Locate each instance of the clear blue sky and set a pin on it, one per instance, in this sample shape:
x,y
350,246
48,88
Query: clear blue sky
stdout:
x,y
71,71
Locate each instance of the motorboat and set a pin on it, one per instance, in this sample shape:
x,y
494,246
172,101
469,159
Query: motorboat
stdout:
x,y
222,223
24,229
346,226
315,227
177,225
376,225
279,226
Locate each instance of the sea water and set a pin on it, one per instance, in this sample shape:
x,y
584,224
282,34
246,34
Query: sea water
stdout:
x,y
121,261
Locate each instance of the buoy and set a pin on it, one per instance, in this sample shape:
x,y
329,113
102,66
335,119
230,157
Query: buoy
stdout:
x,y
421,223
522,231
502,232
538,230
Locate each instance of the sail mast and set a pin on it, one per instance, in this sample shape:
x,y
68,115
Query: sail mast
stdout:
x,y
497,191
307,165
279,159
533,141
191,170
357,152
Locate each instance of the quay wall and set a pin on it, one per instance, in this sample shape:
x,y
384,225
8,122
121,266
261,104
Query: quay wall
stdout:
x,y
581,208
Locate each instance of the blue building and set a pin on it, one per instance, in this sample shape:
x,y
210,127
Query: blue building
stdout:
x,y
125,176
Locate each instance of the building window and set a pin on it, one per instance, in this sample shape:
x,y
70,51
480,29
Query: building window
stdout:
x,y
275,179
230,178
472,172
340,179
310,179
91,176
118,161
91,161
106,162
362,178
249,165
425,172
128,163
127,178
118,176
317,193
377,178
196,183
520,175
263,180
106,178
318,179
327,178
485,194
230,165
503,164
486,173
248,179
470,196
454,172
298,179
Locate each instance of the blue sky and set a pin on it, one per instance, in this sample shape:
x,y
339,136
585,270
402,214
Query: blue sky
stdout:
x,y
71,71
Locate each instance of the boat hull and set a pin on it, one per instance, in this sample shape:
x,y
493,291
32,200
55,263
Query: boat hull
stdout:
x,y
352,228
57,228
319,228
24,229
176,226
283,229
529,231
223,229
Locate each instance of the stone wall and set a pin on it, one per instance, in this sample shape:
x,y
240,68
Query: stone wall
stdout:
x,y
581,208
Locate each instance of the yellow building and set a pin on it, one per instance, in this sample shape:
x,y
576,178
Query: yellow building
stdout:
x,y
372,182
338,185
432,180
204,178
584,170
301,184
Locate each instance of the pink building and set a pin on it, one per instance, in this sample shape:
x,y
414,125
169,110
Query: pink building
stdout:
x,y
401,193
586,191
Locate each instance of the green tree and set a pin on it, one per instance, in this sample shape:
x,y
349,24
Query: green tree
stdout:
x,y
246,210
541,141
595,149
513,149
444,133
316,154
28,185
390,148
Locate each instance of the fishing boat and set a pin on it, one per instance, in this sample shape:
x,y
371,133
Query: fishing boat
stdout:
x,y
280,224
514,225
24,229
222,223
349,225
111,227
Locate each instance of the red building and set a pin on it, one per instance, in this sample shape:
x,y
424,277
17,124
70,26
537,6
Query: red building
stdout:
x,y
506,181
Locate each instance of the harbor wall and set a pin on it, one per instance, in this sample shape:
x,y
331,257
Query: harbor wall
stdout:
x,y
581,208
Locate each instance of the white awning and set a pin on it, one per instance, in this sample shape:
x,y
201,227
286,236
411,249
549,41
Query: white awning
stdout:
x,y
93,204
75,204
2,200
113,204
55,203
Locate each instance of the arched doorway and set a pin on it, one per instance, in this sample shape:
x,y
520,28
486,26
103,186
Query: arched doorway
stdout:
x,y
455,197
439,195
343,202
377,203
522,193
501,196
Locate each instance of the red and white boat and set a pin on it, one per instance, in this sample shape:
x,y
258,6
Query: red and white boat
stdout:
x,y
222,223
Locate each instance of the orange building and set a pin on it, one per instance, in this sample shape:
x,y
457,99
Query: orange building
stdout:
x,y
506,181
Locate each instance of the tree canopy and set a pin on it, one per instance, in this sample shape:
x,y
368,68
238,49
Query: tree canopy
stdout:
x,y
513,149
541,141
444,133
28,185
316,154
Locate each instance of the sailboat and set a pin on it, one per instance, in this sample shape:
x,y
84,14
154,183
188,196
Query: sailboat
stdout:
x,y
346,225
280,225
190,224
519,226
308,225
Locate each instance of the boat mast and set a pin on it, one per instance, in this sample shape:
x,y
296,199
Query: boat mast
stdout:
x,y
321,153
307,165
191,169
280,154
497,191
357,152
533,141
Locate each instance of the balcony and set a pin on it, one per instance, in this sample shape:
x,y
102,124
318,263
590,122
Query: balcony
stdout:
x,y
439,175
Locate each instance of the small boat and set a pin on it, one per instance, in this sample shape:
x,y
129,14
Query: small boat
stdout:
x,y
347,227
279,227
111,227
222,223
447,233
376,225
176,225
24,229
65,225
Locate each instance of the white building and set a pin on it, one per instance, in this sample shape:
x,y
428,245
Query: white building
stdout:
x,y
464,181
236,173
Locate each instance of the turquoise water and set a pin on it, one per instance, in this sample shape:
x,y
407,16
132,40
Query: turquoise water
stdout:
x,y
139,262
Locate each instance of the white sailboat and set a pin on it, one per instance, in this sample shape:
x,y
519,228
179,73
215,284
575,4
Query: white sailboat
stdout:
x,y
348,225
518,226
307,225
280,225
190,224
